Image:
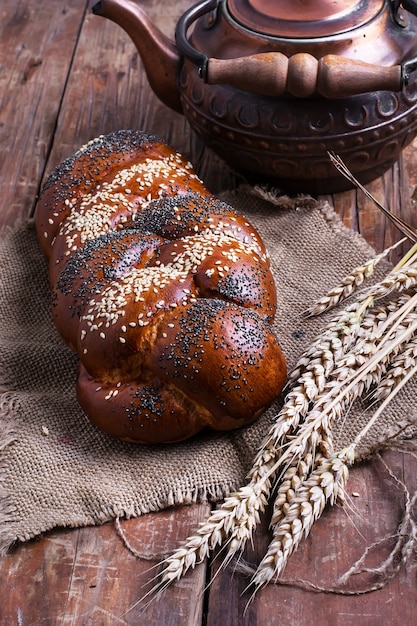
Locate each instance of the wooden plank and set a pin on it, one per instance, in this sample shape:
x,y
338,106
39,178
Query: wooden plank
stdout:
x,y
88,576
345,205
405,195
336,541
36,44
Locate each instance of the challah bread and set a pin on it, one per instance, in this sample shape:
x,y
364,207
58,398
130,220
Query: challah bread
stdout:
x,y
164,291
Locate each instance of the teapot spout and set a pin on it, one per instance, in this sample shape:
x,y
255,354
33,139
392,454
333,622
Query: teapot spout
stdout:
x,y
159,54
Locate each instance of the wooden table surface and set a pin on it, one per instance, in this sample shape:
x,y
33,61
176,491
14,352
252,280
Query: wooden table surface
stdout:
x,y
67,76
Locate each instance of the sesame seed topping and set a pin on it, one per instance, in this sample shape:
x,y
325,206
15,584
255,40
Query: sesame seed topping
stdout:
x,y
179,280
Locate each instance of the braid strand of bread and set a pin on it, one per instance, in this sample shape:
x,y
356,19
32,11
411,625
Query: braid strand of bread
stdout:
x,y
164,291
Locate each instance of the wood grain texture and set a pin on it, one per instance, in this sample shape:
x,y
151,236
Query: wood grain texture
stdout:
x,y
88,576
67,76
36,47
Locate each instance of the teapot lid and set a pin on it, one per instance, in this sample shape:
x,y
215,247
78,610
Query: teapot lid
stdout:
x,y
302,18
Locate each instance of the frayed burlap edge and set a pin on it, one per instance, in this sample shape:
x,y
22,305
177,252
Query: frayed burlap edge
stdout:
x,y
8,436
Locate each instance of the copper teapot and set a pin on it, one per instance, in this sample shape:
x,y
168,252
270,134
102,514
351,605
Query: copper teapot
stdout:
x,y
274,86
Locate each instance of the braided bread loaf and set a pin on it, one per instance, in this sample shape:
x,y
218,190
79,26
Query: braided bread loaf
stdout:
x,y
164,292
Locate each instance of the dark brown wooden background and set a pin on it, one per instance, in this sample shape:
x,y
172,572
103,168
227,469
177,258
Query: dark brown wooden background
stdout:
x,y
67,76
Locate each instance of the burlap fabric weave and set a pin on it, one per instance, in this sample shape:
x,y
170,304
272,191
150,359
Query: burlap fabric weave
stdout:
x,y
57,469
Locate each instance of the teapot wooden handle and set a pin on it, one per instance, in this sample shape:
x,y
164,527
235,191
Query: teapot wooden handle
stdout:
x,y
302,75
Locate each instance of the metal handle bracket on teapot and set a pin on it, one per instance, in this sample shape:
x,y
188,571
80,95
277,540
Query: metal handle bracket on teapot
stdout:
x,y
300,75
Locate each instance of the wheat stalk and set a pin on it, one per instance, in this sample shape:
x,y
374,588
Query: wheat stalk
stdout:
x,y
401,365
326,484
332,342
296,474
370,342
296,510
293,513
233,522
405,228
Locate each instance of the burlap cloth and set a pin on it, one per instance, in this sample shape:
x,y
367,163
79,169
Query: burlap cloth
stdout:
x,y
59,470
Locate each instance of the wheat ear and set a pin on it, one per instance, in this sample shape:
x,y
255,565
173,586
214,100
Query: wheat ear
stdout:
x,y
326,484
350,283
234,522
343,329
296,473
402,364
334,340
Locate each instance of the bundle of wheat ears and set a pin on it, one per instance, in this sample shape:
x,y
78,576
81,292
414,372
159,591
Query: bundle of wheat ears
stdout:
x,y
369,349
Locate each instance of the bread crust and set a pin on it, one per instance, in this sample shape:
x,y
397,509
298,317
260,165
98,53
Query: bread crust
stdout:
x,y
165,292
